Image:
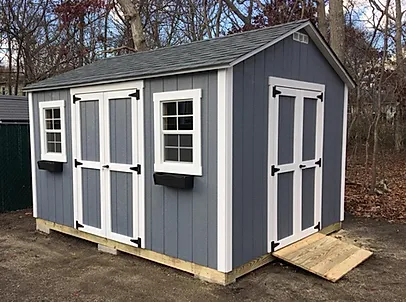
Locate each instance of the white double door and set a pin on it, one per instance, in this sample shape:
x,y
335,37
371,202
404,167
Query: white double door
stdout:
x,y
295,161
106,151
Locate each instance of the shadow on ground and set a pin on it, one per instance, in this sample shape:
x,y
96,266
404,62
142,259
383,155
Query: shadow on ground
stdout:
x,y
35,267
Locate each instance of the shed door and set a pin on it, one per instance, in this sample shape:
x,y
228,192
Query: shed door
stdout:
x,y
295,149
107,199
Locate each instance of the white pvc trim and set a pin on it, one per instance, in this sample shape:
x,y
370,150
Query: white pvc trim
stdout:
x,y
344,153
194,168
33,160
224,169
52,156
299,90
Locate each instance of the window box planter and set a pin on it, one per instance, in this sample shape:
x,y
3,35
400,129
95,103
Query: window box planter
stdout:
x,y
51,166
178,181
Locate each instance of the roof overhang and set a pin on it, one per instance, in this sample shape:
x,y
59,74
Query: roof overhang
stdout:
x,y
308,26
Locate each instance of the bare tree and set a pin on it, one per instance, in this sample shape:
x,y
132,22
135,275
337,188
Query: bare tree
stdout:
x,y
337,28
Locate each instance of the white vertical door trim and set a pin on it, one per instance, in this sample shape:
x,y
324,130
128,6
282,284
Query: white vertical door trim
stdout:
x,y
297,174
273,126
224,169
74,122
33,160
344,152
141,177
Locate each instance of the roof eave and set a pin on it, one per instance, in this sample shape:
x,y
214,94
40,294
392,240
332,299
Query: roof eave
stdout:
x,y
126,79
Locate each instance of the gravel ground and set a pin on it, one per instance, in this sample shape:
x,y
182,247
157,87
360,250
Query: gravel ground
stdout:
x,y
36,267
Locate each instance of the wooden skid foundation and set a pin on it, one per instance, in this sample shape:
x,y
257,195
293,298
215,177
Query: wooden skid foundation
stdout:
x,y
199,271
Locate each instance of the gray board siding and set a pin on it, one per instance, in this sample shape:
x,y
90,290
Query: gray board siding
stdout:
x,y
183,223
292,60
54,190
185,57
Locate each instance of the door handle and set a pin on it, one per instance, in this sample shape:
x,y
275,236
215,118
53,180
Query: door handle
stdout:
x,y
302,166
106,166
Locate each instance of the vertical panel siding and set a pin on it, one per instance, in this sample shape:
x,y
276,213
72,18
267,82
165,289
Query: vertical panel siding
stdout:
x,y
91,197
292,60
89,129
54,190
120,131
183,223
122,203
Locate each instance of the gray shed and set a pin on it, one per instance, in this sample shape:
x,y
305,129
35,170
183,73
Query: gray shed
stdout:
x,y
206,157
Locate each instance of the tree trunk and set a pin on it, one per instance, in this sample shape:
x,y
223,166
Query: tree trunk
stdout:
x,y
378,101
132,12
399,69
337,28
321,17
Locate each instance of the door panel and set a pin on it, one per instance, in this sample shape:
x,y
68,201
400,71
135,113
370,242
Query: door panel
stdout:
x,y
122,203
308,197
91,197
120,131
121,156
106,152
286,129
285,204
90,130
295,148
309,128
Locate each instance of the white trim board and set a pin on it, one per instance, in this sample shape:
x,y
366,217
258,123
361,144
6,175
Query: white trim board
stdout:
x,y
224,169
344,153
33,160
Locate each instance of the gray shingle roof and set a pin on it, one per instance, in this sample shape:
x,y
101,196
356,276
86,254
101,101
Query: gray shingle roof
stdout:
x,y
200,54
13,108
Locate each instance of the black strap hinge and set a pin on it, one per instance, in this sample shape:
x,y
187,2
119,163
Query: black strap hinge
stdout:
x,y
317,226
275,92
274,245
136,169
136,94
136,241
318,162
75,99
321,96
77,163
274,170
78,225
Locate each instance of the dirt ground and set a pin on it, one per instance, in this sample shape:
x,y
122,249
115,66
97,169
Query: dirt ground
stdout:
x,y
36,267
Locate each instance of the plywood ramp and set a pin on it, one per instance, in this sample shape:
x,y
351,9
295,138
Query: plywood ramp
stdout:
x,y
323,255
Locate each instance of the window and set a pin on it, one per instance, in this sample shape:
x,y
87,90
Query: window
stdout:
x,y
52,127
177,132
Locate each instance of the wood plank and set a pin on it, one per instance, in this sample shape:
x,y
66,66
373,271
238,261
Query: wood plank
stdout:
x,y
348,264
297,245
199,271
323,255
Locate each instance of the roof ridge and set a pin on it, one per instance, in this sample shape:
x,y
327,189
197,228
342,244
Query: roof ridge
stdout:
x,y
210,39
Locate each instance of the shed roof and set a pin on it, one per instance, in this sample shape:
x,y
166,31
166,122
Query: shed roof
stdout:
x,y
13,108
214,53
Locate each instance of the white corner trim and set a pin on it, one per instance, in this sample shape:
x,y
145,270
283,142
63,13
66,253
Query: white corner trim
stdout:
x,y
344,152
33,160
224,169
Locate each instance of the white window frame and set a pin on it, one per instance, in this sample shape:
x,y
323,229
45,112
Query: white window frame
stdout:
x,y
52,156
194,168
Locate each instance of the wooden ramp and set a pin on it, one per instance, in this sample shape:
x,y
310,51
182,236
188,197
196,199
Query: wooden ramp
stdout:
x,y
323,255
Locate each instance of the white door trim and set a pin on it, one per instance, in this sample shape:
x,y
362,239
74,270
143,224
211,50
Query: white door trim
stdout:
x,y
344,152
104,92
301,90
33,159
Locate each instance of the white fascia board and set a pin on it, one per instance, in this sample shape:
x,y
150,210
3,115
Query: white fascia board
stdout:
x,y
224,169
33,161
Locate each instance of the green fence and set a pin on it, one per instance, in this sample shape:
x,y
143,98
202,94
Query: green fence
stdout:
x,y
15,167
